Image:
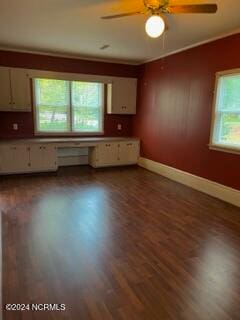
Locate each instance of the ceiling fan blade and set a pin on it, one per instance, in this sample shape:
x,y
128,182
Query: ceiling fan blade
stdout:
x,y
121,15
195,8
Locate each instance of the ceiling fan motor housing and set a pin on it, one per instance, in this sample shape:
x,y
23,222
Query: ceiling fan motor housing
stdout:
x,y
155,4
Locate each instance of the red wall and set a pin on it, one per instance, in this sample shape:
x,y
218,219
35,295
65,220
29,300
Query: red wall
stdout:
x,y
174,110
41,62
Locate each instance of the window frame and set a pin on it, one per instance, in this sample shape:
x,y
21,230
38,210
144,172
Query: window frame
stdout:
x,y
213,145
67,133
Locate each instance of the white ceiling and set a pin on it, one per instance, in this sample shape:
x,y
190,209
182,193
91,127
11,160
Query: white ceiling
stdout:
x,y
74,27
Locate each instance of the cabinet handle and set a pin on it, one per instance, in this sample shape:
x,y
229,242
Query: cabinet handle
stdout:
x,y
123,107
129,144
108,145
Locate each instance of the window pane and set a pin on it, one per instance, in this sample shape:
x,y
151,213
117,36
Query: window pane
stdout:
x,y
230,129
87,104
227,114
52,105
229,93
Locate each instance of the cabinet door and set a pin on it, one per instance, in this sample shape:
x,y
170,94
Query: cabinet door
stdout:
x,y
107,154
36,157
128,152
14,158
122,95
5,90
20,84
49,157
43,157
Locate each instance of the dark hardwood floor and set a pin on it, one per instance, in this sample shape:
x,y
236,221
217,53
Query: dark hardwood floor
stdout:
x,y
120,243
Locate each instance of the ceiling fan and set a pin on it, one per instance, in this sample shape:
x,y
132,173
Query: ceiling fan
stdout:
x,y
155,25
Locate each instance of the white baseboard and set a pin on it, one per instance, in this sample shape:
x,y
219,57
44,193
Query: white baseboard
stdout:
x,y
209,187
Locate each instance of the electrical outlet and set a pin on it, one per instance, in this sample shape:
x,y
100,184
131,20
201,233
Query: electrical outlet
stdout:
x,y
119,126
15,126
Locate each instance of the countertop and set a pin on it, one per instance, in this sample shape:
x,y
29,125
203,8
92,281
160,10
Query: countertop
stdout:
x,y
66,140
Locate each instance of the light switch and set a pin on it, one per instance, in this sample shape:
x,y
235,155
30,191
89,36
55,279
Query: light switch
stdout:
x,y
119,126
15,126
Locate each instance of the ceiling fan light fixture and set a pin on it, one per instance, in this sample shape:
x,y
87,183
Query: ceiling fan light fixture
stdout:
x,y
155,26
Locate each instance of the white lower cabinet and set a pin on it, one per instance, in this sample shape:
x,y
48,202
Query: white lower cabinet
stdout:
x,y
25,158
43,157
106,154
128,152
115,154
14,159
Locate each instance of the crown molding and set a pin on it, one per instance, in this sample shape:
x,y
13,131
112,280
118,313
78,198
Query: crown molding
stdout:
x,y
69,56
197,44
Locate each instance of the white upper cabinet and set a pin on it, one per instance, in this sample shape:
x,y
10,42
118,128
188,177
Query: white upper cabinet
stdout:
x,y
5,89
20,84
14,90
122,96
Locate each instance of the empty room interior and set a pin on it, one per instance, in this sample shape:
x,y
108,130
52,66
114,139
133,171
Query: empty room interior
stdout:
x,y
120,160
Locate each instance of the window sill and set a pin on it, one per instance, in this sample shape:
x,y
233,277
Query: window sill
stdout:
x,y
224,148
68,134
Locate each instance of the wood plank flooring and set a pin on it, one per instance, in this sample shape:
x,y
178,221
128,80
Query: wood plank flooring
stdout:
x,y
119,243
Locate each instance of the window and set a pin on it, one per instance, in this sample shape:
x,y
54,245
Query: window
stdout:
x,y
68,106
226,117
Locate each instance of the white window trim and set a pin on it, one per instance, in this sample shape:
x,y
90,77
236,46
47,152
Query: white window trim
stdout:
x,y
67,133
213,145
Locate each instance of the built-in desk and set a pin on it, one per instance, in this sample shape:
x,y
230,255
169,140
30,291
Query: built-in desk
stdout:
x,y
47,154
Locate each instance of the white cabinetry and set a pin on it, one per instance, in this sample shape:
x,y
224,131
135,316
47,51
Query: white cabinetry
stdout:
x,y
115,154
128,152
122,95
5,89
14,90
107,154
14,159
43,157
27,158
20,85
